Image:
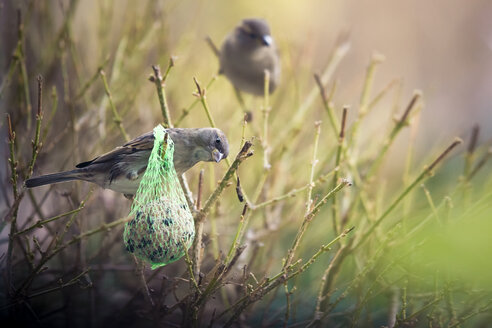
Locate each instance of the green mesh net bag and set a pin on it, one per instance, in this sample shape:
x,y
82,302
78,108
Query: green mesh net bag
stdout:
x,y
161,228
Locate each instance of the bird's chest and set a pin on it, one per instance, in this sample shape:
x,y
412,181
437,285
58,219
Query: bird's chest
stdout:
x,y
252,62
125,185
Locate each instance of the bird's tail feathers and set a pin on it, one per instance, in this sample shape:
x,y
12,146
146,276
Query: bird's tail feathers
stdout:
x,y
52,178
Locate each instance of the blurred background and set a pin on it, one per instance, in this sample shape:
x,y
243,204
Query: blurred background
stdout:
x,y
443,48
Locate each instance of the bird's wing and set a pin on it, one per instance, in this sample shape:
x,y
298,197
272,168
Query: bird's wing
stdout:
x,y
143,142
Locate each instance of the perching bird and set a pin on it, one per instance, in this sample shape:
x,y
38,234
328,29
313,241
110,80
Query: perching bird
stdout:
x,y
245,55
122,168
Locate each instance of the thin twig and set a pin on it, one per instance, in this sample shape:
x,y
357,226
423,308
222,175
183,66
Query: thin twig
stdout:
x,y
431,203
338,159
327,104
314,161
402,122
116,117
21,57
36,143
54,107
382,93
189,266
323,292
295,191
41,223
376,59
480,164
15,207
197,243
201,94
188,109
239,232
159,82
91,80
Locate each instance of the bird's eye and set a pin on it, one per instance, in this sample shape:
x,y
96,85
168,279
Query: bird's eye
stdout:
x,y
217,141
252,35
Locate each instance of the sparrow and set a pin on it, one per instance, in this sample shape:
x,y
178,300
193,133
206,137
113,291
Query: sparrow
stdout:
x,y
122,168
246,53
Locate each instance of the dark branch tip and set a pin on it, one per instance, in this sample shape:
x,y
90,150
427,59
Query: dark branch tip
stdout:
x,y
201,92
474,138
455,143
411,105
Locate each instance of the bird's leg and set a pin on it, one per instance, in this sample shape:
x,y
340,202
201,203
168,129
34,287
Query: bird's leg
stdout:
x,y
248,113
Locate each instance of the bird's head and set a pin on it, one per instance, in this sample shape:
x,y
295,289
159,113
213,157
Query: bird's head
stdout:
x,y
197,145
217,143
214,145
255,33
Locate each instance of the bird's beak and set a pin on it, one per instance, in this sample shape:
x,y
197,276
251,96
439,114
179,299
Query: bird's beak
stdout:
x,y
266,40
217,155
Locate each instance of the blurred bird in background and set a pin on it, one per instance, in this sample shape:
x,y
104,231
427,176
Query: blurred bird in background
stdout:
x,y
122,168
246,53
